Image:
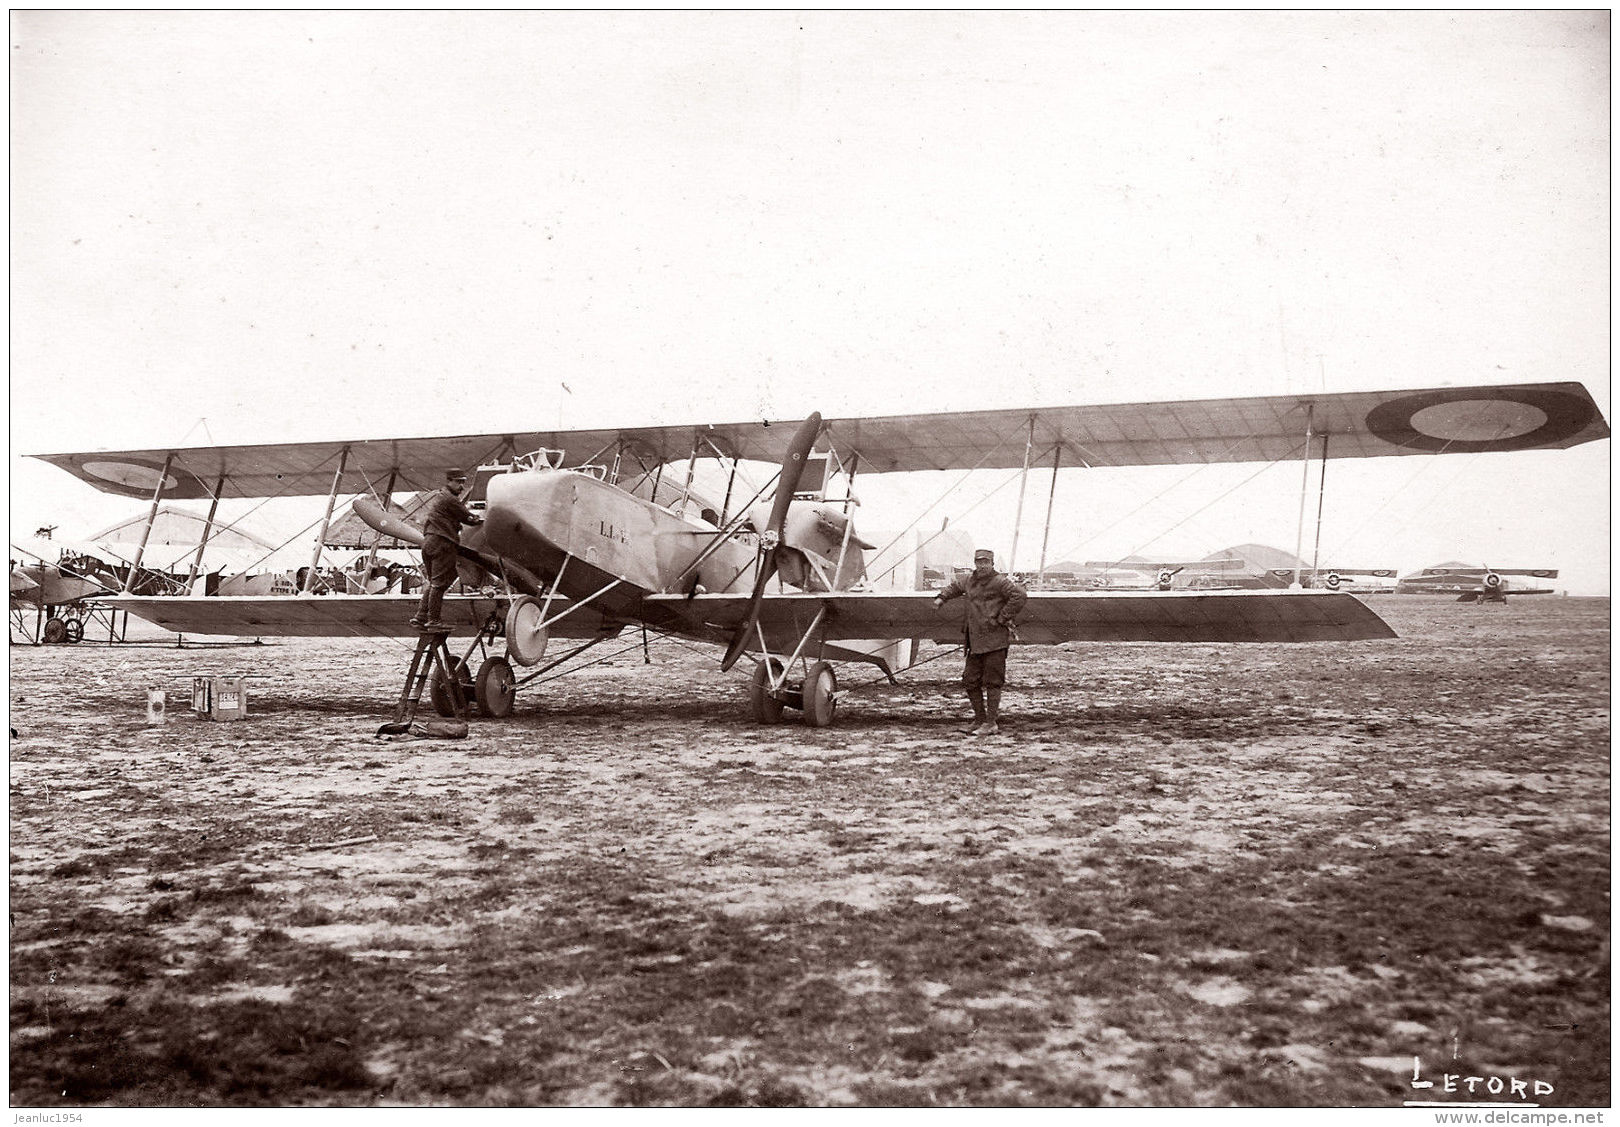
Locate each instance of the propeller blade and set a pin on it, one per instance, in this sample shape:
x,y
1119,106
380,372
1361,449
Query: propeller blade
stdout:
x,y
787,484
379,519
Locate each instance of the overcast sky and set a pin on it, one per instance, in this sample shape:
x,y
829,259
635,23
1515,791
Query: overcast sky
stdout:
x,y
306,226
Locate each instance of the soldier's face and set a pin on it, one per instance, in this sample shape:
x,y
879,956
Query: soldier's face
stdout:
x,y
983,567
455,486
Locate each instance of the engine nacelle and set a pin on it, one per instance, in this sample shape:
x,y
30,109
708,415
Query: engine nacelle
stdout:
x,y
820,550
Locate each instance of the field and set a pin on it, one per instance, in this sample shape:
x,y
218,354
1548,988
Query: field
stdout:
x,y
1184,875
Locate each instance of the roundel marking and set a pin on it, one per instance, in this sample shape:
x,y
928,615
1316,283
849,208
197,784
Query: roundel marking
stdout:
x,y
1471,422
1333,580
1492,579
1478,420
131,475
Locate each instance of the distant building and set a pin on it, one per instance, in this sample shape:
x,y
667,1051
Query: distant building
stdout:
x,y
918,561
178,527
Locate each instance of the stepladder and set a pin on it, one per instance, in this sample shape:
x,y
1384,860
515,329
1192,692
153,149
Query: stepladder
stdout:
x,y
431,658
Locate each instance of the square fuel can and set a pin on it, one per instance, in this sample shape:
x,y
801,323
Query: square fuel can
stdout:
x,y
228,699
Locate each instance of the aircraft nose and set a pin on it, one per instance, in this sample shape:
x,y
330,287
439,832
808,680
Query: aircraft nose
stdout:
x,y
521,507
501,522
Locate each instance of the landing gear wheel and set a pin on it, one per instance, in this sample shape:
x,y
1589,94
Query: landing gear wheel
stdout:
x,y
75,632
525,640
443,702
55,631
496,688
820,685
762,706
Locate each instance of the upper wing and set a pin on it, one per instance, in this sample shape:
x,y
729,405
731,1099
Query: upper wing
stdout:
x,y
1260,429
1048,616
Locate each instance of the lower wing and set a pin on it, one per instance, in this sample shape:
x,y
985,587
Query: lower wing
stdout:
x,y
1048,617
328,616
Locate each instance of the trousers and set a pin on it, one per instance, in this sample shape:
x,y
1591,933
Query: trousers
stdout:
x,y
439,569
986,670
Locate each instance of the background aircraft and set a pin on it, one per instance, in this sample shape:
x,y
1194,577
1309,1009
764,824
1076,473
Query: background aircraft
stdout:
x,y
56,586
1139,573
1473,584
586,532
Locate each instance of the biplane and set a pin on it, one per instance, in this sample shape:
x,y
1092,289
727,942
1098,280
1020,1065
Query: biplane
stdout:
x,y
56,590
1474,584
1154,575
587,532
1367,580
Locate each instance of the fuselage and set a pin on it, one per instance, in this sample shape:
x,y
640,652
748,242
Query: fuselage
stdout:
x,y
594,534
50,586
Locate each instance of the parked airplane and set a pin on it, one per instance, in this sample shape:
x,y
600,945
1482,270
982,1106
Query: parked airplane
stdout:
x,y
584,536
1366,580
1473,584
56,586
1140,574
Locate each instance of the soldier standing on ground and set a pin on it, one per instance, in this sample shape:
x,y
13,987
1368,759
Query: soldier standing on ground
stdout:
x,y
993,601
442,518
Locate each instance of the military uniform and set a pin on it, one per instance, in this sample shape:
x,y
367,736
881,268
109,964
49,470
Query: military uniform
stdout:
x,y
442,518
993,602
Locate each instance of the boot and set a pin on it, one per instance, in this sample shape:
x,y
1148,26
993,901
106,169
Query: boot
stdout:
x,y
993,711
435,609
976,699
423,615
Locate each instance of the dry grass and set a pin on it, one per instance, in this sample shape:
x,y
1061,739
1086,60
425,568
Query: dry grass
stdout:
x,y
1186,876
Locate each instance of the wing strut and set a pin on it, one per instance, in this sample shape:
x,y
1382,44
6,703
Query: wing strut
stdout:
x,y
1321,499
1023,480
691,471
1046,529
377,536
1304,486
208,530
326,522
849,525
151,519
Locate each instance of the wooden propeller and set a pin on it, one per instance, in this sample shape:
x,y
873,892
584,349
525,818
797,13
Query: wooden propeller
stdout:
x,y
787,484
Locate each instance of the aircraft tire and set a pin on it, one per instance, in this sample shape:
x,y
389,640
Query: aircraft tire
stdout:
x,y
55,631
525,641
75,632
496,688
762,707
443,703
820,701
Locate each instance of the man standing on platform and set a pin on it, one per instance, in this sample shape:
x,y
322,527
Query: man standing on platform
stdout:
x,y
442,518
993,601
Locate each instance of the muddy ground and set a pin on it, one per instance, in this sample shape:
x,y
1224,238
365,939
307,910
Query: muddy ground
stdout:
x,y
1184,875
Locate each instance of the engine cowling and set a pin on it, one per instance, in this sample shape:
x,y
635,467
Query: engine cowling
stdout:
x,y
813,538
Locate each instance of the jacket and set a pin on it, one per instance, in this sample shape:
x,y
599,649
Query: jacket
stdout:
x,y
992,604
443,516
